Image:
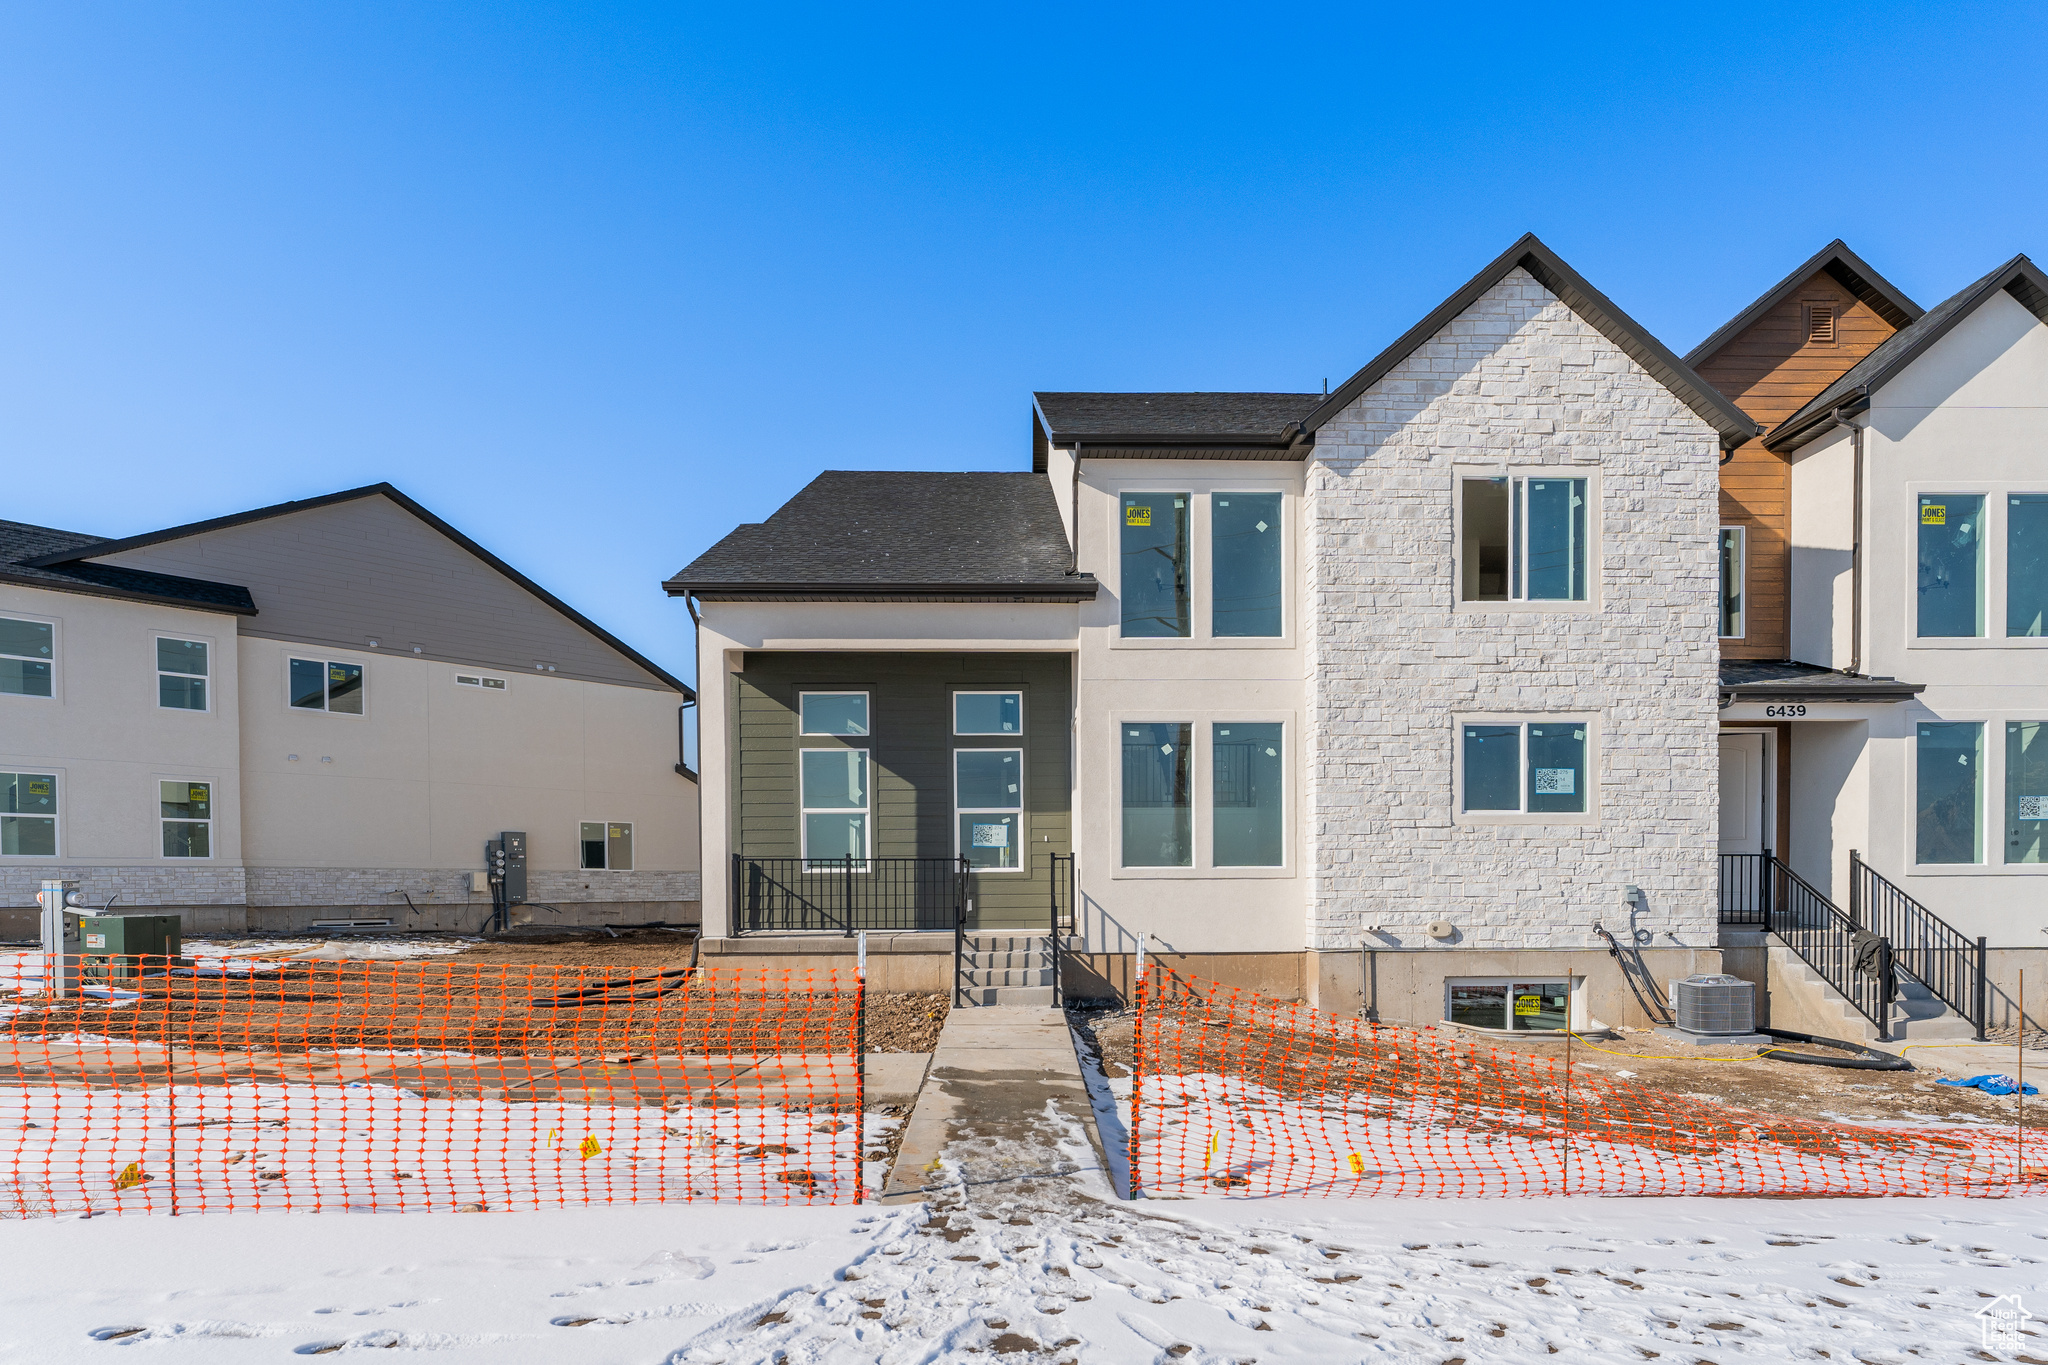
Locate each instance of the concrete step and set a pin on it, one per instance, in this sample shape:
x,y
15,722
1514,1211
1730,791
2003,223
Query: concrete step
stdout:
x,y
1016,976
1917,1014
999,961
1005,995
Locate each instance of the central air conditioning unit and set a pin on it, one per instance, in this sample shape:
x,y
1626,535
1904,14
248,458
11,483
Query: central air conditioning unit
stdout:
x,y
1712,1002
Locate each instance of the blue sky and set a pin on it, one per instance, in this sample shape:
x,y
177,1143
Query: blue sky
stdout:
x,y
599,281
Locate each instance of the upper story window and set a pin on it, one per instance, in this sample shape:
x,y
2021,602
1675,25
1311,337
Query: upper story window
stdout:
x,y
1951,564
1734,568
988,713
28,814
833,713
1245,564
27,656
2026,564
1154,580
323,685
1523,538
180,674
607,845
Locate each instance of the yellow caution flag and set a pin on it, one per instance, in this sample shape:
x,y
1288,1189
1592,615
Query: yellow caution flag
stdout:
x,y
591,1147
131,1176
1215,1141
1357,1164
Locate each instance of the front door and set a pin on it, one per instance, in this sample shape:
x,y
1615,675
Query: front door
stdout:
x,y
1742,792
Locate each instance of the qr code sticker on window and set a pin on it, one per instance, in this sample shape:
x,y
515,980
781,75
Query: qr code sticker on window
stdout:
x,y
2034,808
1556,781
991,836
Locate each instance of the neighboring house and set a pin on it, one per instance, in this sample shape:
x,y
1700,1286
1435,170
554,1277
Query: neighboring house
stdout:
x,y
1383,698
321,711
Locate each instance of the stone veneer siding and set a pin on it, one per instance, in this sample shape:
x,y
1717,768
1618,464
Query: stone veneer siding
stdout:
x,y
1517,377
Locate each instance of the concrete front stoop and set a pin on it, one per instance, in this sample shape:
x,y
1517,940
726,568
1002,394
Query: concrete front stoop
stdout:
x,y
1802,1001
1008,969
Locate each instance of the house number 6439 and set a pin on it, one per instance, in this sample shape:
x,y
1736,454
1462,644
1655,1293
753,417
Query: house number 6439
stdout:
x,y
1793,710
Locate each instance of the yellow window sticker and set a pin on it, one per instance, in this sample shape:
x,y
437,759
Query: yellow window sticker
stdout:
x,y
1137,516
1528,1004
1933,514
195,793
38,789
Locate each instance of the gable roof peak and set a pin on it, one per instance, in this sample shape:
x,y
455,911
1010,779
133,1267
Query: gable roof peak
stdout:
x,y
1841,264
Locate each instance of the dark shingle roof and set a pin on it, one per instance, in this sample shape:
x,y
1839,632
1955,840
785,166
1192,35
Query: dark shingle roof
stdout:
x,y
1097,417
2019,277
866,534
1783,680
1846,268
21,542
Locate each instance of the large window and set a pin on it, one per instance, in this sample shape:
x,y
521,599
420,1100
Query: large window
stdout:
x,y
28,814
2026,791
988,807
27,654
1247,786
988,713
607,845
2026,564
1245,562
833,713
1530,767
323,685
835,805
180,674
1523,539
1949,792
186,809
1158,819
1515,1006
1951,565
1734,566
1154,578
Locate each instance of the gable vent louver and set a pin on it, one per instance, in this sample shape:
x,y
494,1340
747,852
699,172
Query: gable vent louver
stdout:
x,y
1820,324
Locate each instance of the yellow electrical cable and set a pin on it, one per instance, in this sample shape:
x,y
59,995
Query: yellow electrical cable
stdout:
x,y
1665,1057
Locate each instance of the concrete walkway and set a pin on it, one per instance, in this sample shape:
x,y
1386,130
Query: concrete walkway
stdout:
x,y
1001,1108
1972,1059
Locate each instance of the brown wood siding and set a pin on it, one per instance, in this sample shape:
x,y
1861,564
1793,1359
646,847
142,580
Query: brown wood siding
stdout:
x,y
1770,370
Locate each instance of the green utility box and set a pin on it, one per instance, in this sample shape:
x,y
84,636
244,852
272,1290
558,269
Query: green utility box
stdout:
x,y
118,947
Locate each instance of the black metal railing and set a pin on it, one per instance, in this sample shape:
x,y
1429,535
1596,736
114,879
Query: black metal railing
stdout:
x,y
1924,946
846,895
1817,930
1745,890
1059,913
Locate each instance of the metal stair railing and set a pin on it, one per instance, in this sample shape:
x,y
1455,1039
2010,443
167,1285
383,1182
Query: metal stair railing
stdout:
x,y
845,895
1817,930
1745,889
1925,946
1059,915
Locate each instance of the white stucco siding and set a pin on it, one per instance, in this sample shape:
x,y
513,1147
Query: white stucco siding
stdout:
x,y
1823,542
1517,380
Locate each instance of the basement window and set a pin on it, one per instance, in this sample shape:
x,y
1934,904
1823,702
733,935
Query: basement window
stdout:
x,y
1511,1005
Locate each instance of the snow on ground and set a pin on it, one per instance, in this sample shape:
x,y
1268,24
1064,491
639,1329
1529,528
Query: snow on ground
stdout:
x,y
1592,1281
232,953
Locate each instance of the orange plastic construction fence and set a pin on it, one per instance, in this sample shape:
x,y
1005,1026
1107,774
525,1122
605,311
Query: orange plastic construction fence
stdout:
x,y
1241,1094
189,1085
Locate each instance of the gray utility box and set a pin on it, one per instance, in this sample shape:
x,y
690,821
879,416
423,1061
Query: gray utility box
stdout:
x,y
1714,1003
118,947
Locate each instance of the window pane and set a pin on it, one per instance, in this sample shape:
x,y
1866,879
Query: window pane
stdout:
x,y
1484,1006
309,684
1247,794
28,794
1158,825
1154,582
988,713
27,836
1244,564
834,713
345,688
1951,564
1493,767
619,847
1483,557
836,835
30,639
1557,540
2026,563
1732,572
835,779
185,800
186,839
990,840
1950,792
1542,1005
988,779
178,693
592,841
2026,790
181,656
24,678
1557,766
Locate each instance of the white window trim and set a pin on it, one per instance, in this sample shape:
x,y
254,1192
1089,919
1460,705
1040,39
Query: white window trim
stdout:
x,y
1596,536
1201,793
211,821
1742,538
1995,568
1201,571
1991,802
63,780
607,845
866,861
1461,816
56,653
1578,1009
953,706
157,673
834,692
1023,818
324,660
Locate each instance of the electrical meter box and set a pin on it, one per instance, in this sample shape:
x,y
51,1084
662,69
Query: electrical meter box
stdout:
x,y
115,947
